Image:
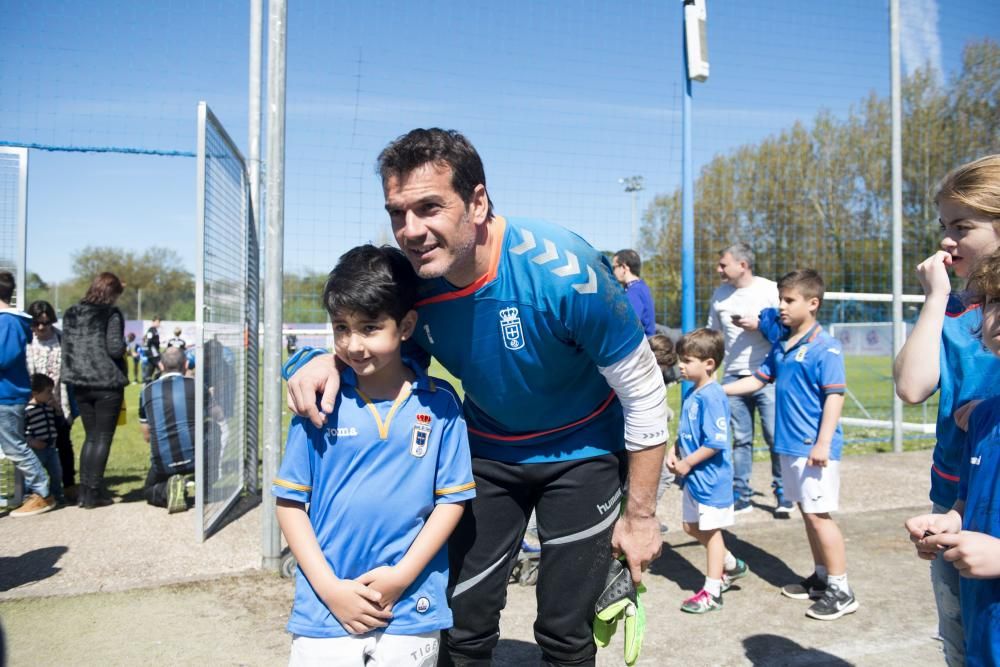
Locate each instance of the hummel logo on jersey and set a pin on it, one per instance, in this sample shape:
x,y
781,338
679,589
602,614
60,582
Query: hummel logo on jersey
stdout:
x,y
510,329
550,254
611,503
975,460
342,432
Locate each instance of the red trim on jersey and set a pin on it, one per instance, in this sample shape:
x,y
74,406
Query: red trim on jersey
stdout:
x,y
950,478
483,279
528,436
967,309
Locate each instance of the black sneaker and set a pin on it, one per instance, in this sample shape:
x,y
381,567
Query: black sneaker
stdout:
x,y
742,507
834,604
810,588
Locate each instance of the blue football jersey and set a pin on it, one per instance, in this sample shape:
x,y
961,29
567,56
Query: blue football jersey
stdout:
x,y
371,477
804,374
705,423
980,489
526,340
968,371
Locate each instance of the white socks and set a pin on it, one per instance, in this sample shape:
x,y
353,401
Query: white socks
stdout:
x,y
838,580
730,561
713,586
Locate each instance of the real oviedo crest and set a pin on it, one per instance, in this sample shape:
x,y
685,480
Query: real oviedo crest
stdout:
x,y
510,329
421,435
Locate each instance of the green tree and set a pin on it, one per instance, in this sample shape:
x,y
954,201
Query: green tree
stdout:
x,y
819,193
167,288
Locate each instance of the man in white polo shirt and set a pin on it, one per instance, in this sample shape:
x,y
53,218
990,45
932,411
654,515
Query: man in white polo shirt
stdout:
x,y
734,310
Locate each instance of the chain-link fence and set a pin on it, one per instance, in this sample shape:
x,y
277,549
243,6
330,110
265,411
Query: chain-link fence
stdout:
x,y
226,282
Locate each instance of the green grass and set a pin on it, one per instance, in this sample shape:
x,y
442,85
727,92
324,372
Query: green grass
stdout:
x,y
869,379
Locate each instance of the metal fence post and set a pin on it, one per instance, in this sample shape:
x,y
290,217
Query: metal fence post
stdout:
x,y
274,248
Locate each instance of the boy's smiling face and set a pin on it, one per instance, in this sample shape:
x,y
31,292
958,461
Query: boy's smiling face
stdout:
x,y
795,309
370,345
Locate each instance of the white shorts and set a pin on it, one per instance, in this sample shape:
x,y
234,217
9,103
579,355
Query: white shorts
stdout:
x,y
816,489
373,649
705,516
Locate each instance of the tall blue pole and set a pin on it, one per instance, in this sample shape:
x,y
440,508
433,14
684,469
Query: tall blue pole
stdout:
x,y
687,196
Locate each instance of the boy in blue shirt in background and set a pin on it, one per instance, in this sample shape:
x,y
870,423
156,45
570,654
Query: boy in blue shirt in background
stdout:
x,y
807,368
968,536
703,455
385,482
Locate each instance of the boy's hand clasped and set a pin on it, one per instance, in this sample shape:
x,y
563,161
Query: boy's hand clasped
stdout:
x,y
388,581
356,606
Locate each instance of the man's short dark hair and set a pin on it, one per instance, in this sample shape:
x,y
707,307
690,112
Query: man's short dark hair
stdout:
x,y
39,308
442,148
173,360
702,344
630,258
807,282
40,382
7,286
371,280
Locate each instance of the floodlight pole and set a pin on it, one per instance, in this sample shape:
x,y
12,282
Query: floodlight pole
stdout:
x,y
897,216
633,185
274,245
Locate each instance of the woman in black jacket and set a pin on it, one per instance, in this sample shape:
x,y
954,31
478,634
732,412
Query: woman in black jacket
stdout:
x,y
93,361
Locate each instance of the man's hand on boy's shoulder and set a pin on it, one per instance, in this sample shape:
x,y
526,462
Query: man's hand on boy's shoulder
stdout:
x,y
819,455
318,376
356,606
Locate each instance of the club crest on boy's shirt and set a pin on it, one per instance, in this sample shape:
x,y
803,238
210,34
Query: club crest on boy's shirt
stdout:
x,y
510,328
421,435
801,354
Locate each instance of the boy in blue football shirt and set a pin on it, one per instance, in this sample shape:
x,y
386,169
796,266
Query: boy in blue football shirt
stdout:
x,y
703,455
968,536
384,480
807,368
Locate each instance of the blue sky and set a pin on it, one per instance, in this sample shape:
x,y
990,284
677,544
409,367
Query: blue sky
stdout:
x,y
561,99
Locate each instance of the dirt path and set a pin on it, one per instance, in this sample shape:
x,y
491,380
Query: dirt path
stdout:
x,y
238,619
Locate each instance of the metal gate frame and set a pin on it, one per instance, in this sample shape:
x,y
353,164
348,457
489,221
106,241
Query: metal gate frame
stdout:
x,y
209,518
11,484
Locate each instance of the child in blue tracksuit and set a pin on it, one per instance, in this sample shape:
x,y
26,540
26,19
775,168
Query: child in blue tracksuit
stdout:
x,y
15,390
968,536
704,457
385,483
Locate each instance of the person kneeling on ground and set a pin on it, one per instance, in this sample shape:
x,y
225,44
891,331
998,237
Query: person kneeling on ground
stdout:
x,y
166,412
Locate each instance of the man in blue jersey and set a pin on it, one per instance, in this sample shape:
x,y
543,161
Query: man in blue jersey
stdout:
x,y
166,414
627,266
559,382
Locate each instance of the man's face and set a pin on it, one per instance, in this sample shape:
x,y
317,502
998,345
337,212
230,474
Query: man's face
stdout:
x,y
794,308
619,270
729,269
431,223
